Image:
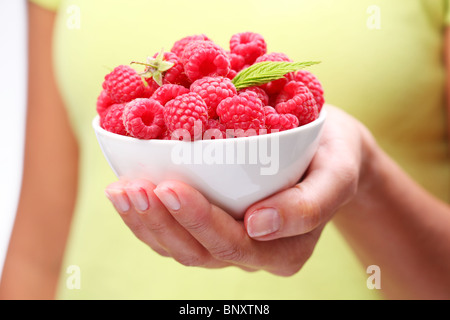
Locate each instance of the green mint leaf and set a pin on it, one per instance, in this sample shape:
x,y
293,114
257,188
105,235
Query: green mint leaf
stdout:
x,y
264,72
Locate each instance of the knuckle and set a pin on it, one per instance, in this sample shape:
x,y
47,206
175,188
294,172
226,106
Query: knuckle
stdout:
x,y
308,209
296,254
157,248
197,226
161,252
155,226
139,230
288,271
228,253
307,252
197,222
292,266
191,260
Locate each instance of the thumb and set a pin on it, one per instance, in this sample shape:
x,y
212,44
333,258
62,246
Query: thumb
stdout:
x,y
300,209
331,181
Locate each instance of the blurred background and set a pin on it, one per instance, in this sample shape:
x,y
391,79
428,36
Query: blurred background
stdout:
x,y
13,93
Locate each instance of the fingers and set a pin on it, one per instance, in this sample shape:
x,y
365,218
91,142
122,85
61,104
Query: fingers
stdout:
x,y
181,223
176,220
212,227
115,192
223,236
150,221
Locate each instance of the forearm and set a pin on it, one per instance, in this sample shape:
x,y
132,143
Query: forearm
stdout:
x,y
47,201
44,214
35,254
49,185
43,219
395,224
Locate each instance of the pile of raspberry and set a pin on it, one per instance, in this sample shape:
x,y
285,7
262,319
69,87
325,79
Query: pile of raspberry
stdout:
x,y
196,99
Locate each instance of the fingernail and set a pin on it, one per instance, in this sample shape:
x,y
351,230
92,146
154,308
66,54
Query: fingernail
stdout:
x,y
263,222
119,199
139,199
168,197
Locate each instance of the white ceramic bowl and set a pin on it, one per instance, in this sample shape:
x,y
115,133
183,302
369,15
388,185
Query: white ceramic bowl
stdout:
x,y
231,173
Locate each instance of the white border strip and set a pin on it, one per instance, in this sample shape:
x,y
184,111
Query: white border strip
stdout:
x,y
13,84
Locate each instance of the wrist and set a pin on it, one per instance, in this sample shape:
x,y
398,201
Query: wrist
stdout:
x,y
371,167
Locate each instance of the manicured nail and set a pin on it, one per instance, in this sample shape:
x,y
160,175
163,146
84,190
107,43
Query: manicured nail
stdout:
x,y
139,199
119,200
263,222
168,197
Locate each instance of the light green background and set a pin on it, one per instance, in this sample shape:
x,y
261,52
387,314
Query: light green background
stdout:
x,y
391,78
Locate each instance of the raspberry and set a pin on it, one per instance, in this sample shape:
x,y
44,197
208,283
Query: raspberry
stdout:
x,y
313,84
103,103
244,111
143,118
215,124
149,90
249,45
295,98
274,87
214,130
188,112
262,95
276,122
168,92
232,74
179,46
269,110
213,90
237,61
174,75
124,84
279,122
166,135
113,119
203,59
273,56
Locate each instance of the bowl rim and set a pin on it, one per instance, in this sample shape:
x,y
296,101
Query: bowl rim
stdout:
x,y
320,119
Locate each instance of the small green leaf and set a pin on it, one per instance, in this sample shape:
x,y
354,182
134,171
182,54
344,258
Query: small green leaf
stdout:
x,y
267,71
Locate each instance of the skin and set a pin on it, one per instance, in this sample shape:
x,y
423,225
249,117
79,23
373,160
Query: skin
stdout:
x,y
377,207
386,217
42,223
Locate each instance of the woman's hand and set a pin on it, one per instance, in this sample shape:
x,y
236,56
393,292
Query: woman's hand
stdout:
x,y
278,234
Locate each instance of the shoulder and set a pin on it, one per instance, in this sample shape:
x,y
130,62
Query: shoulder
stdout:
x,y
47,4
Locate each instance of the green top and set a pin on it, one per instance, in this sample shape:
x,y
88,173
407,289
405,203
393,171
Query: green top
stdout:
x,y
382,63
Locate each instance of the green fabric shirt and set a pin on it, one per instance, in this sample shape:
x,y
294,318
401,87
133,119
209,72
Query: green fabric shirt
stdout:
x,y
382,63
